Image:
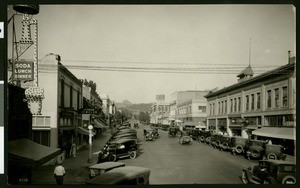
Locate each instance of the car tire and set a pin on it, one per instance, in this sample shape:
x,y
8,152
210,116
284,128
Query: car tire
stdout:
x,y
132,154
112,158
288,178
244,177
272,156
225,146
255,153
202,138
239,149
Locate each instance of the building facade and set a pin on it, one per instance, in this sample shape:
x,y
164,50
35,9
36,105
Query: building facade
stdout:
x,y
262,106
160,111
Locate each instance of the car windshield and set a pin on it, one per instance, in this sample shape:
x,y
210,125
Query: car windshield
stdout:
x,y
287,168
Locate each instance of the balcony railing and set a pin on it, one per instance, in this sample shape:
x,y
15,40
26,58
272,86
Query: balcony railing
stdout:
x,y
41,122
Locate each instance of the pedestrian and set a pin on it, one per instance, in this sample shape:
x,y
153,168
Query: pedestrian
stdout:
x,y
59,173
68,150
74,150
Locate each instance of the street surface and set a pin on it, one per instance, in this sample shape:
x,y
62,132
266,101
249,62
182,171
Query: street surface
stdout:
x,y
169,161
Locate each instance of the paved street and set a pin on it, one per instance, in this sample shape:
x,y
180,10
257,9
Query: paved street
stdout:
x,y
170,163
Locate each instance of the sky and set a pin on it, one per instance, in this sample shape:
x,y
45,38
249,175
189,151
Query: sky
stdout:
x,y
187,47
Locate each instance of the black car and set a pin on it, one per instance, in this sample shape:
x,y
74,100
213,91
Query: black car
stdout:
x,y
149,134
173,131
270,172
255,149
118,149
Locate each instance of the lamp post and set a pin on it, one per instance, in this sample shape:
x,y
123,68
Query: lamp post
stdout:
x,y
90,127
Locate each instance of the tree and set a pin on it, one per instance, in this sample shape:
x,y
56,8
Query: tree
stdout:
x,y
144,116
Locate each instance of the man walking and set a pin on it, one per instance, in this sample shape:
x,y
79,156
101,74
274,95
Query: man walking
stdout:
x,y
59,173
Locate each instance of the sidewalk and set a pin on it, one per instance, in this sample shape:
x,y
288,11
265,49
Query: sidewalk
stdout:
x,y
76,168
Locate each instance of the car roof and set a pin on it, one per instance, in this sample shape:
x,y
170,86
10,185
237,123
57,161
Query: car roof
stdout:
x,y
107,165
123,140
278,162
117,175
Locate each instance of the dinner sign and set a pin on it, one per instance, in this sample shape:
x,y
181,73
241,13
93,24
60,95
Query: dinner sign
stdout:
x,y
23,70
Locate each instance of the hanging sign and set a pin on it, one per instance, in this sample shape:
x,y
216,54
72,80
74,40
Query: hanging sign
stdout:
x,y
22,70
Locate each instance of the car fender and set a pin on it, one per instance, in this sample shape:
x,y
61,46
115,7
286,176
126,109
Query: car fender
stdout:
x,y
288,177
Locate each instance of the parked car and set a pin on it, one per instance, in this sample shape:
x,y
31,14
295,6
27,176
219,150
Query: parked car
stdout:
x,y
274,152
215,140
238,145
255,149
118,149
128,175
185,138
101,168
155,133
226,142
270,172
203,135
194,133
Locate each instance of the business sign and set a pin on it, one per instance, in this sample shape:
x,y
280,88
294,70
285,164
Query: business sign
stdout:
x,y
23,70
90,111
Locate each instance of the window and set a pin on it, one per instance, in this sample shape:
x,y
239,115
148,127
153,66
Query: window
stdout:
x,y
202,108
252,101
235,104
62,93
247,102
269,96
277,97
284,97
71,96
225,110
213,108
258,101
222,107
239,104
231,105
219,104
78,98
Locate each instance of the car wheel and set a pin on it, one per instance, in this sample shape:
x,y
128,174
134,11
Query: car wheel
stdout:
x,y
202,138
112,158
225,146
132,154
255,153
271,156
289,180
244,178
239,149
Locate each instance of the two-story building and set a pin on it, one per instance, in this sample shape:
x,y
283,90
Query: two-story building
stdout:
x,y
262,106
160,111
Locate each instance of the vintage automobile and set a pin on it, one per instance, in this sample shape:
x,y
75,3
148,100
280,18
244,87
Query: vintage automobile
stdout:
x,y
270,172
127,175
255,149
185,138
203,135
238,145
155,133
123,131
274,152
215,140
101,168
226,142
149,134
194,133
121,148
173,131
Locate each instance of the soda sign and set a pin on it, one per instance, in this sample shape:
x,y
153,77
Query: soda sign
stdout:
x,y
23,70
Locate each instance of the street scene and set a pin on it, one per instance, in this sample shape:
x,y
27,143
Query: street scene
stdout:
x,y
151,94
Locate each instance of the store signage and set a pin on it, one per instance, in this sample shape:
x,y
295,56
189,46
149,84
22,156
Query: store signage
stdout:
x,y
22,70
90,111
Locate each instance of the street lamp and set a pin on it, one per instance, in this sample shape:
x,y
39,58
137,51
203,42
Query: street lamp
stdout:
x,y
90,127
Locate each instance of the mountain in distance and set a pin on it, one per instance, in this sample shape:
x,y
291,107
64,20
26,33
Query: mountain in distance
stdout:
x,y
142,107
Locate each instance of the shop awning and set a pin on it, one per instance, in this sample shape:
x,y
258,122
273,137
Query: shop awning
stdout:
x,y
28,153
84,131
276,132
98,124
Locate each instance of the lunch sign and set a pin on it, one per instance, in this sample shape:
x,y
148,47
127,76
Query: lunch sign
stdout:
x,y
23,70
